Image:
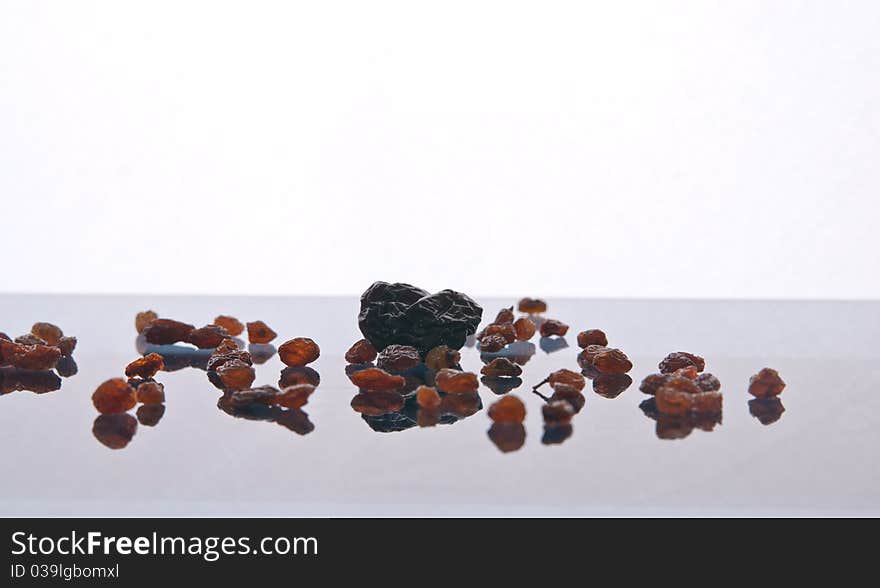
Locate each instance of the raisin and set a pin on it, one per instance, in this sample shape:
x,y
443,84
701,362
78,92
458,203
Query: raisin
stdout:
x,y
612,361
708,382
566,377
208,337
506,331
145,367
492,343
295,396
227,346
455,382
39,382
293,376
766,384
442,357
151,392
558,411
500,367
29,357
509,409
295,420
144,319
507,437
114,430
259,395
690,372
261,352
591,337
553,327
66,367
149,415
377,403
167,332
707,402
406,315
398,358
505,316
501,386
587,357
66,345
259,332
236,374
532,306
524,328
653,382
30,339
427,417
114,396
427,397
556,434
4,337
611,385
682,384
766,410
222,355
361,352
299,352
569,394
48,332
461,405
376,380
672,401
681,359
232,325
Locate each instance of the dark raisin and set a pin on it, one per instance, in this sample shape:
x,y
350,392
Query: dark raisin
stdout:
x,y
690,372
259,332
507,437
232,325
564,392
587,357
259,395
532,306
766,410
672,401
13,379
501,367
591,337
611,385
565,377
681,359
504,316
29,357
66,345
461,405
261,352
30,339
66,367
114,430
653,382
552,327
236,374
295,420
556,434
558,411
708,382
398,358
167,332
766,384
501,386
208,337
299,352
361,352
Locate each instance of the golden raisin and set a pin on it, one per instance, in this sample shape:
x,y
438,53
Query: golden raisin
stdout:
x,y
361,352
232,325
553,327
114,396
66,345
295,396
612,361
144,319
591,337
455,382
48,332
299,352
766,384
532,306
524,328
500,367
377,403
145,367
208,337
442,357
509,409
427,397
29,357
151,392
504,316
235,374
259,332
376,380
565,377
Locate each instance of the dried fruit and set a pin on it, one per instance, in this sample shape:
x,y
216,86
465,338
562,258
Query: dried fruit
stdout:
x,y
461,405
427,397
612,361
299,352
524,328
151,392
588,355
766,410
532,306
296,421
504,316
226,353
259,395
611,385
681,359
144,319
114,430
591,337
552,327
361,352
509,409
29,339
505,331
766,384
398,358
208,337
707,402
261,352
501,367
455,382
114,396
376,380
167,331
672,401
259,332
507,437
66,367
66,345
556,434
236,374
232,325
406,315
690,372
564,377
293,376
48,332
149,415
558,411
377,403
4,337
13,379
501,385
442,357
145,367
295,396
652,383
29,357
492,343
708,382
570,394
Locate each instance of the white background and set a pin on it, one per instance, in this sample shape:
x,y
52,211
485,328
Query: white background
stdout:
x,y
635,149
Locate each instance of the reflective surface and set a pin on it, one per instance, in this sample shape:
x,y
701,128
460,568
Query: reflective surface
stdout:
x,y
814,453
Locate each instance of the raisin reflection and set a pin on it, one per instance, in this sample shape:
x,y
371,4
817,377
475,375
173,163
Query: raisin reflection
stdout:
x,y
678,426
766,410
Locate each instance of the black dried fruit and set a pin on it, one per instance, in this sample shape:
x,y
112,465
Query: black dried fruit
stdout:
x,y
406,315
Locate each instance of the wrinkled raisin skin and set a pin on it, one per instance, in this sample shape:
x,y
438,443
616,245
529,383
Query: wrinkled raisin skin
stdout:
x,y
766,384
681,359
361,352
398,358
552,327
403,314
208,337
48,332
591,337
492,343
145,367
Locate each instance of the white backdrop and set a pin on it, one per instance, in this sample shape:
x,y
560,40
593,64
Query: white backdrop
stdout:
x,y
657,149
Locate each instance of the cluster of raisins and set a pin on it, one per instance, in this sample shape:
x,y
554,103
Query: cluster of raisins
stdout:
x,y
560,407
36,361
606,366
682,389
